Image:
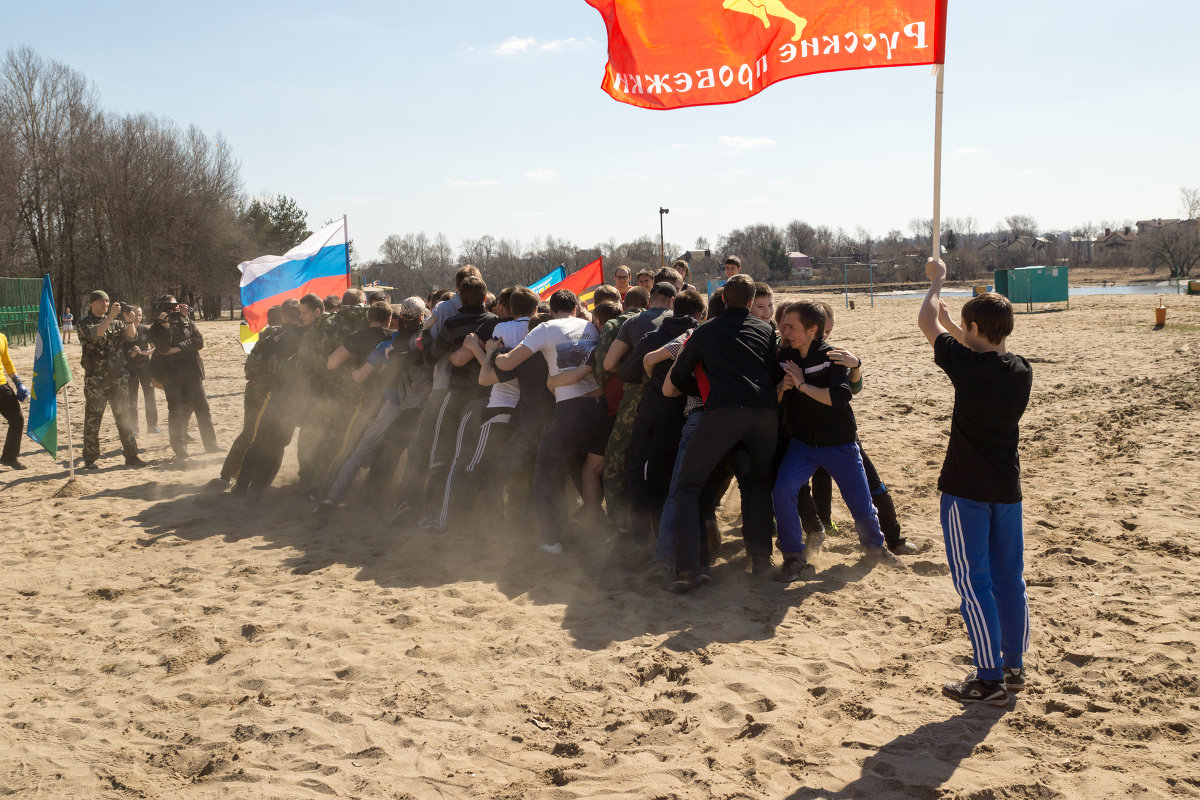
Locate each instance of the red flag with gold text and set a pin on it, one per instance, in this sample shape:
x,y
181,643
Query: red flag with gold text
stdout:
x,y
665,54
582,282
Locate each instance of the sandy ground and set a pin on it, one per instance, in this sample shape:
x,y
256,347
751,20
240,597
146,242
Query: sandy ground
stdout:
x,y
161,643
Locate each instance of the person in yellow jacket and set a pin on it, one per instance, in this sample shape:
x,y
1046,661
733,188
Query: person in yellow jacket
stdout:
x,y
12,394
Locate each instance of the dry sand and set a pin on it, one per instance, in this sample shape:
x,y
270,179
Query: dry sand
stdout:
x,y
161,643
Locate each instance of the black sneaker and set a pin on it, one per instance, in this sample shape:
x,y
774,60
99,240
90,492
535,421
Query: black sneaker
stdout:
x,y
686,581
791,569
134,461
89,465
1014,678
974,690
760,565
12,463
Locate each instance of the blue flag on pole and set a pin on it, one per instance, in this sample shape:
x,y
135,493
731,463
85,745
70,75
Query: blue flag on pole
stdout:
x,y
50,373
554,276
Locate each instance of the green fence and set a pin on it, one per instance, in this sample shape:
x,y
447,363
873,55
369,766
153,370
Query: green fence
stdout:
x,y
19,302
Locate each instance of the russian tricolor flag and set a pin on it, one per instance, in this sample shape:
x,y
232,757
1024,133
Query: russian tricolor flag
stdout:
x,y
320,264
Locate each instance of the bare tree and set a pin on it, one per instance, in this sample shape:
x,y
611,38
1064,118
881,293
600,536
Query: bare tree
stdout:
x,y
1021,225
1176,247
799,237
1191,202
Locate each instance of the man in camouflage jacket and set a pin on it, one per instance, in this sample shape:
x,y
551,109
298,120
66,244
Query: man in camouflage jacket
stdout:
x,y
105,379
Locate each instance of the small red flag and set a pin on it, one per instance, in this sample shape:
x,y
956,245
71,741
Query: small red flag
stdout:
x,y
665,54
582,282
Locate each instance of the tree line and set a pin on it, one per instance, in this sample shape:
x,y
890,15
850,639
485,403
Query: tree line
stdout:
x,y
130,203
415,262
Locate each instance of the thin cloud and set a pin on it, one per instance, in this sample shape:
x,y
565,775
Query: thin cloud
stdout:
x,y
742,143
755,201
541,175
564,44
514,45
471,184
967,151
678,146
530,214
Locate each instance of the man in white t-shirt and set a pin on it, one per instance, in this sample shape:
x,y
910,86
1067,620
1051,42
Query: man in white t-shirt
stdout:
x,y
566,342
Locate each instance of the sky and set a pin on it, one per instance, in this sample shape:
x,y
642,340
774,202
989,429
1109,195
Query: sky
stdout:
x,y
475,117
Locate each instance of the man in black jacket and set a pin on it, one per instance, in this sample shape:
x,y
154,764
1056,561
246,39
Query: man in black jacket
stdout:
x,y
729,362
658,425
177,365
820,427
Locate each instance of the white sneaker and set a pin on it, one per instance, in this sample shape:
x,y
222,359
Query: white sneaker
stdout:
x,y
553,549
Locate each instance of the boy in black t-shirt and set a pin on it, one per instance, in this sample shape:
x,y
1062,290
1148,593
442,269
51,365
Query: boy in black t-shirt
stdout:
x,y
981,485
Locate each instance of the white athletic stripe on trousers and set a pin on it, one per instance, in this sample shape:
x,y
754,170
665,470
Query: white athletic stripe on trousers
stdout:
x,y
484,429
437,429
977,627
976,624
462,426
1025,633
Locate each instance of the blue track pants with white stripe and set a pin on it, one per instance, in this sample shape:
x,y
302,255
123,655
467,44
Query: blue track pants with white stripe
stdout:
x,y
985,548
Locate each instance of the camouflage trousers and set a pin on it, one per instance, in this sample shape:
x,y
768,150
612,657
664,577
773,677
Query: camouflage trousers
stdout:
x,y
616,492
100,391
329,431
254,405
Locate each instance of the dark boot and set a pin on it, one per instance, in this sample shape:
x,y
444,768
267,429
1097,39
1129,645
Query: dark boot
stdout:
x,y
887,519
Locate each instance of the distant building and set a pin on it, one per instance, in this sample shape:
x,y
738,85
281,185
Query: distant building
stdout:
x,y
1116,241
802,265
1145,226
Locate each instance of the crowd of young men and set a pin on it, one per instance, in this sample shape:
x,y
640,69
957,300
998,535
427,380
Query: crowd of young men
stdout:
x,y
504,403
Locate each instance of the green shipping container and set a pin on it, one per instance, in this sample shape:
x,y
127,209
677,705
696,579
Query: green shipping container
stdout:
x,y
1031,285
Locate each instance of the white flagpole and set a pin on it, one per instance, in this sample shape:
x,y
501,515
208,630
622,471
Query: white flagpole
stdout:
x,y
940,69
70,435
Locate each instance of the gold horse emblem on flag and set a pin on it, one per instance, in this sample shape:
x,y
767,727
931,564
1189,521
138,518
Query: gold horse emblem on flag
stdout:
x,y
765,9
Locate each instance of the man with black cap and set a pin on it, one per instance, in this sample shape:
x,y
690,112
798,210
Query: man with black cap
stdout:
x,y
105,378
176,363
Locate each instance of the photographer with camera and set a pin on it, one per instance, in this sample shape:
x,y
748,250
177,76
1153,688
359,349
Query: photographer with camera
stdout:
x,y
105,378
177,366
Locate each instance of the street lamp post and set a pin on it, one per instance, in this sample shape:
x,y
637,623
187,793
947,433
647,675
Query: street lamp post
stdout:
x,y
662,246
